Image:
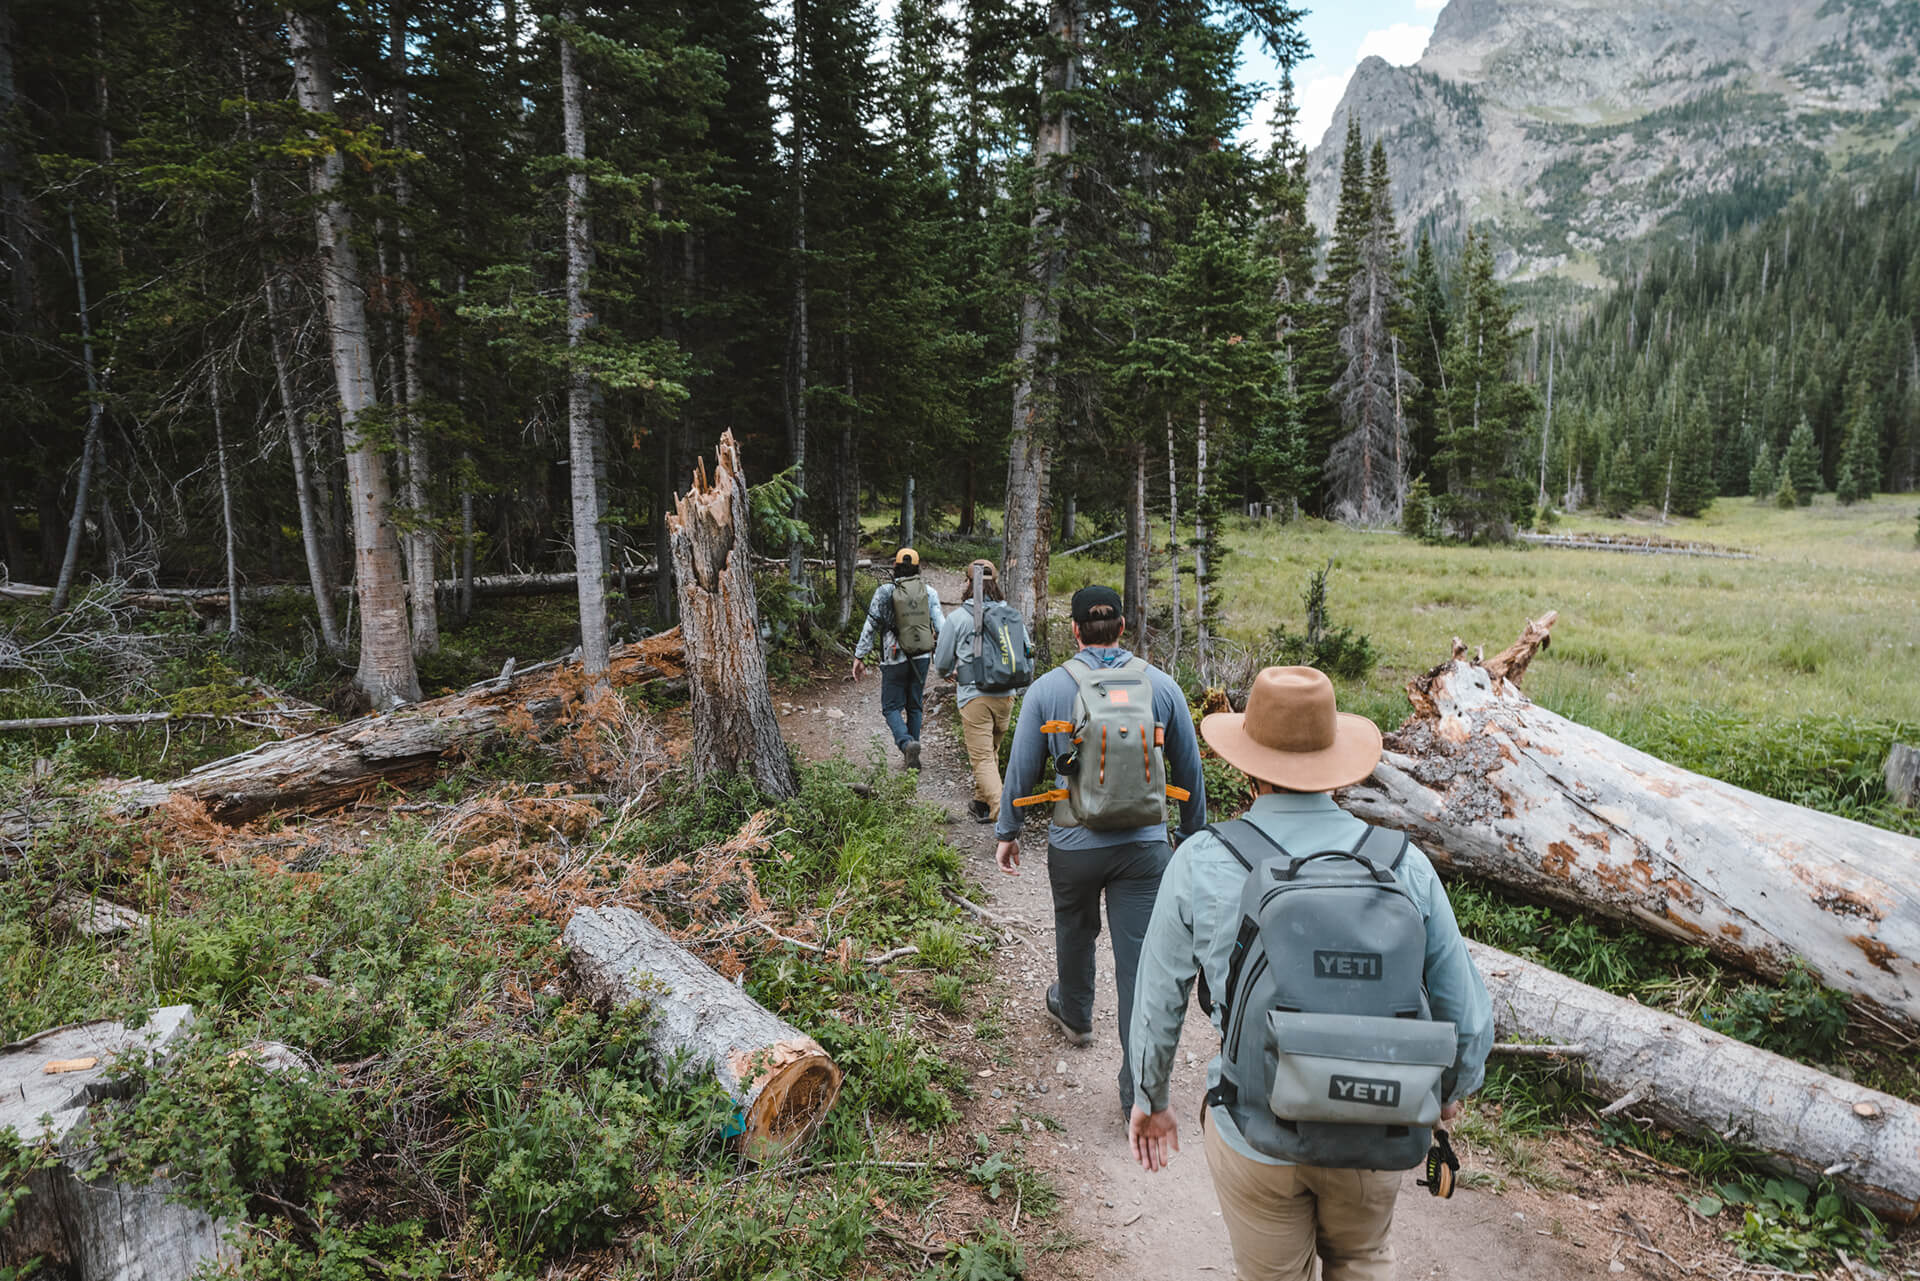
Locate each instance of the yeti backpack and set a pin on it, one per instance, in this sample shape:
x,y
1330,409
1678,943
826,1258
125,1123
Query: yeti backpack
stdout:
x,y
1330,1055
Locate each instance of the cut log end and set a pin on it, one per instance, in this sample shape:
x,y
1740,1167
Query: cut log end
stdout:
x,y
790,1101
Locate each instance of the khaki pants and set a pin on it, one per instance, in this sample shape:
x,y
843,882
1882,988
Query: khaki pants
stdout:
x,y
983,723
1280,1216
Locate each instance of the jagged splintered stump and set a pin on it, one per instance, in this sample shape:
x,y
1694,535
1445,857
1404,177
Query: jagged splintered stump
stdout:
x,y
1679,1074
1502,790
734,727
782,1080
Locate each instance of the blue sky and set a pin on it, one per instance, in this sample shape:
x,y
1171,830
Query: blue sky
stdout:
x,y
1340,35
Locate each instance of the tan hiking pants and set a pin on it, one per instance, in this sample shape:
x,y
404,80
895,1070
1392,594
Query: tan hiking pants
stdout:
x,y
1280,1216
983,723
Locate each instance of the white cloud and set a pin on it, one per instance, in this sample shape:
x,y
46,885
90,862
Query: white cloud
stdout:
x,y
1400,44
1317,100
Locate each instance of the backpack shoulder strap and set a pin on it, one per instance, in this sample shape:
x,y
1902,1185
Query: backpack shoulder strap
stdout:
x,y
1238,828
1385,847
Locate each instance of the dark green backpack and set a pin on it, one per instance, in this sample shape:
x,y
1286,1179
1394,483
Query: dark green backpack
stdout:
x,y
913,617
1003,660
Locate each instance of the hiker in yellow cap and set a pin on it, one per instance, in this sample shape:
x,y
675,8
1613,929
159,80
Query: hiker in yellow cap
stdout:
x,y
903,620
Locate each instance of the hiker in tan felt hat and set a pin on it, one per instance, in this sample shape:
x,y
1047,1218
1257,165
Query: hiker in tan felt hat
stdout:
x,y
1352,1020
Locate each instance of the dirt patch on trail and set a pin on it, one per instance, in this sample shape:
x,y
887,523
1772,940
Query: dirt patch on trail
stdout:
x,y
1613,1214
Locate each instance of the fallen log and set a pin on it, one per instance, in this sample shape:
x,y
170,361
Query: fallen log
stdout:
x,y
1500,789
780,1078
1797,1119
331,767
98,1229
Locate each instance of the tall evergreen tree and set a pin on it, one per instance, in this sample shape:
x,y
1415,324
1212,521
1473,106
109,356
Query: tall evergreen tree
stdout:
x,y
1801,467
1486,411
1367,471
1859,472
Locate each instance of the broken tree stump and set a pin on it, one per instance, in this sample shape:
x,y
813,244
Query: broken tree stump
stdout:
x,y
1496,787
1797,1118
93,1230
734,726
334,766
782,1080
1903,775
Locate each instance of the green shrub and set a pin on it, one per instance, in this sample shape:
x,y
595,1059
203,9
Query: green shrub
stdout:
x,y
1801,1018
1340,652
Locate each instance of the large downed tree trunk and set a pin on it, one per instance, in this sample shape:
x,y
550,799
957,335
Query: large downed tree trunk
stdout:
x,y
334,766
93,1230
1496,787
734,727
1679,1074
782,1080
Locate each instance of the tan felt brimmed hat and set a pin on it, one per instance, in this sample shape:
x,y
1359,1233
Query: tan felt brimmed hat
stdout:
x,y
1291,736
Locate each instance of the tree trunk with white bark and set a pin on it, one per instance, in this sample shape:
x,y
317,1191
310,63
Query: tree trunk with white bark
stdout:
x,y
734,727
1500,789
386,673
69,563
419,454
1138,551
588,564
1677,1073
780,1078
226,504
335,766
1027,531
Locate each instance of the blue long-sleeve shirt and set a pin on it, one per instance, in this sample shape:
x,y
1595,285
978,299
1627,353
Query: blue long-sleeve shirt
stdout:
x,y
1050,698
878,629
1197,917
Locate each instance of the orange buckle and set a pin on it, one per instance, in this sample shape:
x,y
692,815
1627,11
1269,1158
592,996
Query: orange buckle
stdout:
x,y
1057,727
1177,793
1041,798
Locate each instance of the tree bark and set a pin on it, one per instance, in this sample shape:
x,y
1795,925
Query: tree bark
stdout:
x,y
734,727
419,456
99,1230
797,395
386,673
906,513
466,535
781,1080
312,536
1027,527
1173,539
1202,634
69,562
1800,1120
587,561
226,504
1138,550
1500,789
1903,775
335,766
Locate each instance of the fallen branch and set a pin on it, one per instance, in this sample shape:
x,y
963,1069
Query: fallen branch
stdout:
x,y
151,718
1095,543
338,765
1527,1050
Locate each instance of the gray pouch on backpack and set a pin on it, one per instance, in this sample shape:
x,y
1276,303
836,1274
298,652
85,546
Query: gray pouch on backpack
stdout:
x,y
1358,1069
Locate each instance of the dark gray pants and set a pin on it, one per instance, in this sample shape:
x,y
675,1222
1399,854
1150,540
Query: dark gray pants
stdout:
x,y
1129,875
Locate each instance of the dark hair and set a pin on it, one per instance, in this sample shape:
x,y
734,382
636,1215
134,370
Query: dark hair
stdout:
x,y
1102,631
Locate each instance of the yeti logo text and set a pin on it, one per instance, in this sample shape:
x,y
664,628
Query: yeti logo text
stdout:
x,y
1360,1089
1346,965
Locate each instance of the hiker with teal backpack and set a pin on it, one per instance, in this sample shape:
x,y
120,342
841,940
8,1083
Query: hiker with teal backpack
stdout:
x,y
985,649
903,623
1351,1017
1122,744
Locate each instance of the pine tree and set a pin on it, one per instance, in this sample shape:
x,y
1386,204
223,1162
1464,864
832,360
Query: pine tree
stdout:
x,y
1801,467
1859,473
1622,489
1784,496
1692,462
1424,340
1367,468
1761,482
1416,514
1486,411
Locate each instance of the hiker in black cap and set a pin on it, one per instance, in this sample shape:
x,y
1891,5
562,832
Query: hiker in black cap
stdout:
x,y
1123,744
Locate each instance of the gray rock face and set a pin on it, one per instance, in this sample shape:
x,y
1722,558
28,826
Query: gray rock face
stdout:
x,y
1570,127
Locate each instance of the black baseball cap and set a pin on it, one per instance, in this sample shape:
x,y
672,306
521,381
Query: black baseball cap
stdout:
x,y
1096,605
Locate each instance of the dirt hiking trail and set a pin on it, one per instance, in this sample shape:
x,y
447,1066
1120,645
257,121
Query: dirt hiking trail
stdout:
x,y
1118,1222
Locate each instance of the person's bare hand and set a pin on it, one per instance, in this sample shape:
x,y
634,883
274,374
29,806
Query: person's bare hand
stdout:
x,y
1007,855
859,669
1154,1136
1452,1110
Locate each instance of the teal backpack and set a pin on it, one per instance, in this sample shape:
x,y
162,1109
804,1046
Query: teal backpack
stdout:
x,y
1330,1055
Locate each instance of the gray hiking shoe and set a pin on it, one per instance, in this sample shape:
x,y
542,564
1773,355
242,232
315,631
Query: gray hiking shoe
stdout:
x,y
1081,1037
912,752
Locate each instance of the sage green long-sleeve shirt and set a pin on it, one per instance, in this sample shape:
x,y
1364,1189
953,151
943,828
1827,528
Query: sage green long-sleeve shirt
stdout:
x,y
1197,916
